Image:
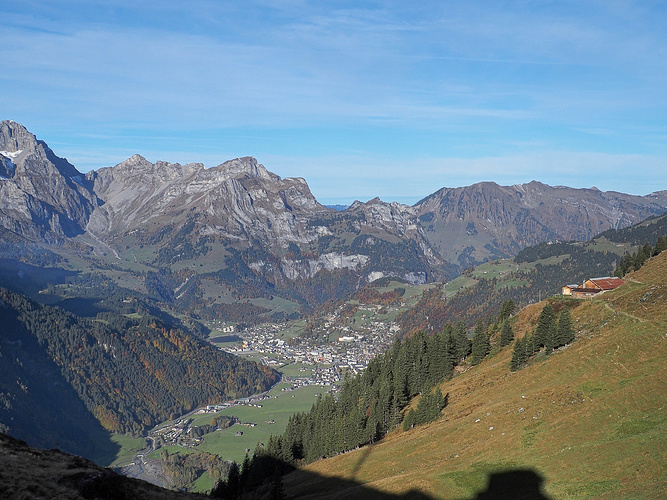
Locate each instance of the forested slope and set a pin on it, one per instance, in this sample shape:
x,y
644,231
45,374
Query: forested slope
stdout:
x,y
129,373
551,266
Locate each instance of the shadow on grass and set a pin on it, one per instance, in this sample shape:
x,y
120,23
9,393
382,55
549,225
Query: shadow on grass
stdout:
x,y
519,484
515,484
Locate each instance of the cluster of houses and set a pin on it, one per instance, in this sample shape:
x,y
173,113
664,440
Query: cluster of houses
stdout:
x,y
354,349
592,287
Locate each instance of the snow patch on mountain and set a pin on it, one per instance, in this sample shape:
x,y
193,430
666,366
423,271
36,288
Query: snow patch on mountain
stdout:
x,y
11,154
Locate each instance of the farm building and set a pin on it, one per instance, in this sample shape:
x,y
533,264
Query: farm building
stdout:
x,y
603,284
592,287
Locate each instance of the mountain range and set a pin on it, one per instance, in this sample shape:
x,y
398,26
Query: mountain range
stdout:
x,y
207,239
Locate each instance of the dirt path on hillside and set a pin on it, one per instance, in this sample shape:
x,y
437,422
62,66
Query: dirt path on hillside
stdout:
x,y
606,304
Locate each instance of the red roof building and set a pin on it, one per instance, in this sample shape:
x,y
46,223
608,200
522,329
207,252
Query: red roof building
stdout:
x,y
603,284
592,287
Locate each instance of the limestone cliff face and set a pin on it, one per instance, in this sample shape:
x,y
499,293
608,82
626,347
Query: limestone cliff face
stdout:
x,y
237,215
238,199
485,220
41,196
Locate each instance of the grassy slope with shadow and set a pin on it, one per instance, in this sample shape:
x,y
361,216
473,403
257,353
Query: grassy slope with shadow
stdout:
x,y
511,484
28,473
590,418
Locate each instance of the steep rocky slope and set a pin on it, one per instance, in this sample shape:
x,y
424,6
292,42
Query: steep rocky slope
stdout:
x,y
228,231
241,217
42,196
205,238
238,199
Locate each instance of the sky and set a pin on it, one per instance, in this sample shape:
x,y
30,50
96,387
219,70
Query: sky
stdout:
x,y
393,99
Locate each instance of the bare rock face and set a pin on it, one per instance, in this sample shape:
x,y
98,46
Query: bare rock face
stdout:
x,y
485,220
257,229
238,199
41,195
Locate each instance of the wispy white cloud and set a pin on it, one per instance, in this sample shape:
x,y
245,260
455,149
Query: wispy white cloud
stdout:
x,y
448,92
410,179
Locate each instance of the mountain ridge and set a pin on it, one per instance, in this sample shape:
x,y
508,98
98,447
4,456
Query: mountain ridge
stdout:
x,y
245,232
491,221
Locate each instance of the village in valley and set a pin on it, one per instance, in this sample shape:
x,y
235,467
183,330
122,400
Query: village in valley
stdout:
x,y
350,351
316,354
340,344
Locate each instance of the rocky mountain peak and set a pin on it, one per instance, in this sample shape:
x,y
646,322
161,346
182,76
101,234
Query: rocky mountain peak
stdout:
x,y
246,166
15,137
32,156
137,165
40,193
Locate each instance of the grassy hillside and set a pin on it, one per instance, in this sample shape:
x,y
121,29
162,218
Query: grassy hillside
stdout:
x,y
588,420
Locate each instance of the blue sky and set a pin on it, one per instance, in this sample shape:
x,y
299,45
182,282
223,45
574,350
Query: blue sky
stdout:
x,y
362,99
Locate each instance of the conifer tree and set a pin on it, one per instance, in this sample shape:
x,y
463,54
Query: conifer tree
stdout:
x,y
643,254
506,334
245,472
277,489
480,343
506,310
519,356
449,344
660,245
233,481
565,328
460,337
409,420
545,331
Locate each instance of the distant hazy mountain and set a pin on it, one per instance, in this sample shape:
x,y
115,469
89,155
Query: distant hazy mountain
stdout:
x,y
338,208
484,221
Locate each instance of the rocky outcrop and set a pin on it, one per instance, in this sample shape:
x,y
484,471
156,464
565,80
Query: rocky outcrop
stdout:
x,y
29,472
307,268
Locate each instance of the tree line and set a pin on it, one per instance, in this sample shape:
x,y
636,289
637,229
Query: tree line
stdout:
x,y
632,261
551,332
481,300
134,373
